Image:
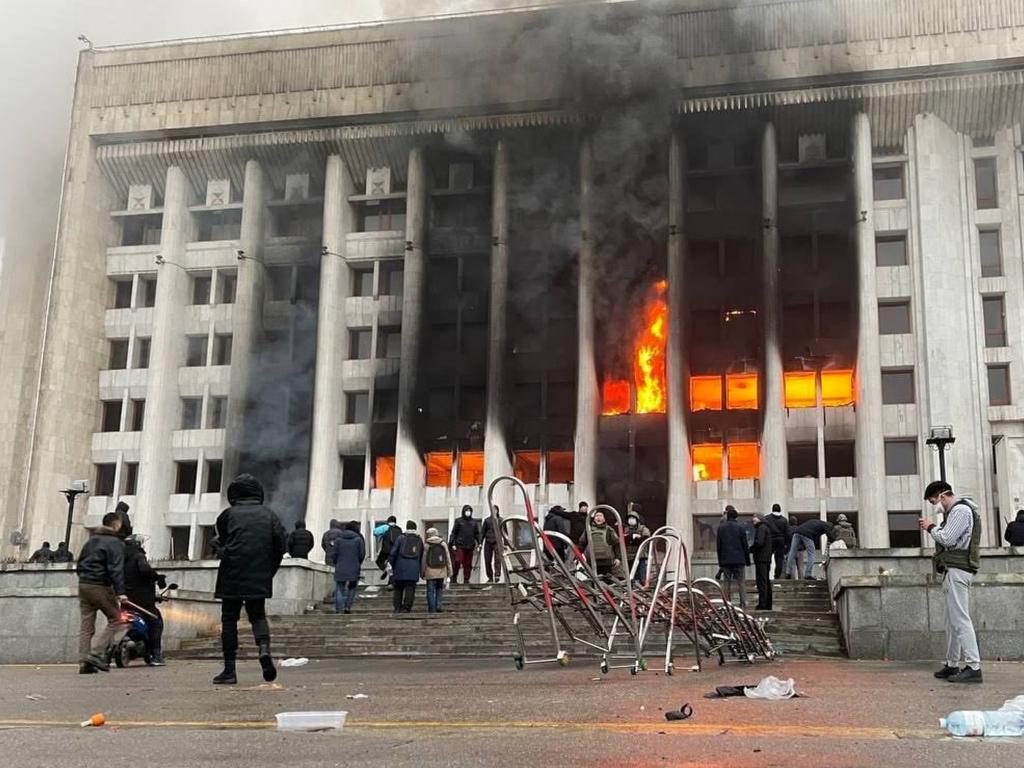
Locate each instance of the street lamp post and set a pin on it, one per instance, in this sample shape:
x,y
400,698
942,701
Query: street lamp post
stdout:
x,y
72,492
940,437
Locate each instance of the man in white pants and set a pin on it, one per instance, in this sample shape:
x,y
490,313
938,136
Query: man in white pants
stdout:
x,y
957,559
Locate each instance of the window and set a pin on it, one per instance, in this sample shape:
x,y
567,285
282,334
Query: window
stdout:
x,y
526,466
888,182
360,344
179,542
904,530
195,353
901,457
802,459
191,411
141,229
362,282
705,393
385,406
837,388
130,478
279,283
392,279
744,461
472,403
353,469
214,470
142,344
384,472
222,349
208,534
105,479
990,250
137,416
118,354
839,459
439,469
389,342
357,407
707,461
999,385
218,225
986,184
705,533
894,317
801,389
110,418
471,468
561,467
891,250
147,292
217,413
994,310
185,478
201,285
228,282
382,216
897,387
122,294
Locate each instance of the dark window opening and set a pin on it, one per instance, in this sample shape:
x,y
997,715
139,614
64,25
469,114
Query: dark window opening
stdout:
x,y
185,476
888,182
891,250
382,216
901,457
802,459
118,359
122,294
138,415
179,542
141,229
214,471
353,471
222,349
201,286
392,279
360,344
142,344
217,413
840,459
195,351
228,286
147,292
357,407
191,410
385,406
986,182
894,317
897,387
994,311
110,419
904,530
130,478
212,226
990,251
389,343
998,385
104,479
362,282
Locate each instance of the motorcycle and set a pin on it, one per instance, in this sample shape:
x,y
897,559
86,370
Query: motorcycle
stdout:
x,y
134,642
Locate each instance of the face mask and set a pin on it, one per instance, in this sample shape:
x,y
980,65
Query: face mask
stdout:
x,y
632,521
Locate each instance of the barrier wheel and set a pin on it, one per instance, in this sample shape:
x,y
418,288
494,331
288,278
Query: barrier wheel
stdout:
x,y
518,661
604,666
643,665
563,660
668,669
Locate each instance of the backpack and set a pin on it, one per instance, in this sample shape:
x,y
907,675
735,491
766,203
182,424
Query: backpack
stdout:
x,y
387,541
412,546
436,557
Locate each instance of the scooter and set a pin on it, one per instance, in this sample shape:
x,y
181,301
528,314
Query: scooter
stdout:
x,y
134,644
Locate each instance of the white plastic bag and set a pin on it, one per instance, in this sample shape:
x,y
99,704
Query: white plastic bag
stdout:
x,y
1015,704
293,662
771,689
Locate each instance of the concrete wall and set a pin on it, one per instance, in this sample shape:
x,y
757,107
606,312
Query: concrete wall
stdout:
x,y
891,605
39,605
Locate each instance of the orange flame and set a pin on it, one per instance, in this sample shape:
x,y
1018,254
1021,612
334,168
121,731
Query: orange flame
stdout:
x,y
614,397
649,357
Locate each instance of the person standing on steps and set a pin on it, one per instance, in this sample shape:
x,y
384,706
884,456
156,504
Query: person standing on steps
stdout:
x,y
406,562
300,541
777,525
348,555
327,540
437,566
636,533
386,536
761,552
805,535
600,543
464,542
733,554
491,532
957,558
253,543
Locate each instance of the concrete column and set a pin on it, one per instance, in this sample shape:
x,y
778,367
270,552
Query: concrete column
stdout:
x,y
497,461
409,469
588,394
246,315
331,347
774,471
680,472
872,517
166,356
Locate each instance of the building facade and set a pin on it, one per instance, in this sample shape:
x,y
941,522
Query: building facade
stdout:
x,y
683,258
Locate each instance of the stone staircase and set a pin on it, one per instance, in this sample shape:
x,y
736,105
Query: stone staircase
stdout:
x,y
477,622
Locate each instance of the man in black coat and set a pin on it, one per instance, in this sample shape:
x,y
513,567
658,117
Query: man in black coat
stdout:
x,y
463,543
491,531
762,554
557,521
777,524
100,589
140,582
733,554
253,542
62,554
300,541
1014,534
328,539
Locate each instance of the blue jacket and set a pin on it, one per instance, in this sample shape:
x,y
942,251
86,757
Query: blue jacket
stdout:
x,y
348,555
404,568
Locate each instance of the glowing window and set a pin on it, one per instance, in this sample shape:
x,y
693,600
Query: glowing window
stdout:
x,y
614,397
705,393
837,388
707,461
384,472
744,461
800,389
560,467
439,470
741,391
526,466
471,468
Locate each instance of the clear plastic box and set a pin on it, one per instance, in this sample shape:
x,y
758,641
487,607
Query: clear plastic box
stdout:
x,y
311,721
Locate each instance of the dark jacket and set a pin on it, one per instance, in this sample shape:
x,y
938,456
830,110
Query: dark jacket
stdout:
x,y
63,555
635,537
327,540
300,543
102,560
1015,531
733,551
465,533
253,541
844,531
42,555
776,525
140,579
405,568
763,541
557,521
388,540
489,530
813,529
348,555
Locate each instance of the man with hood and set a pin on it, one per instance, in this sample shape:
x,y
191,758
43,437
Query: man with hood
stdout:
x,y
140,582
300,541
253,542
387,535
63,554
406,560
777,525
436,567
557,521
347,557
491,532
844,532
636,534
1015,531
43,555
761,552
328,539
464,540
100,589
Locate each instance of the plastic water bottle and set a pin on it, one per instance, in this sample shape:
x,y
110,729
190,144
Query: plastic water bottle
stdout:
x,y
974,723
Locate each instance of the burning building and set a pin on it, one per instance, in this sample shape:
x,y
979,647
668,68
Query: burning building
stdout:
x,y
679,254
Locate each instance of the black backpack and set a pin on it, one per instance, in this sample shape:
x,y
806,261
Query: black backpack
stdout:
x,y
436,557
387,541
412,546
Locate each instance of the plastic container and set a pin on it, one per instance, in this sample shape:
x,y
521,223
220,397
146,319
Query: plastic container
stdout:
x,y
974,723
311,721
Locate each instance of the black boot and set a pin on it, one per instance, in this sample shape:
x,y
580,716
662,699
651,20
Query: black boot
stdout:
x,y
946,672
267,662
227,677
87,669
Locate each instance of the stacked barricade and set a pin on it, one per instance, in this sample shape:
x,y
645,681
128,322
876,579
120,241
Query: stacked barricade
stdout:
x,y
616,612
